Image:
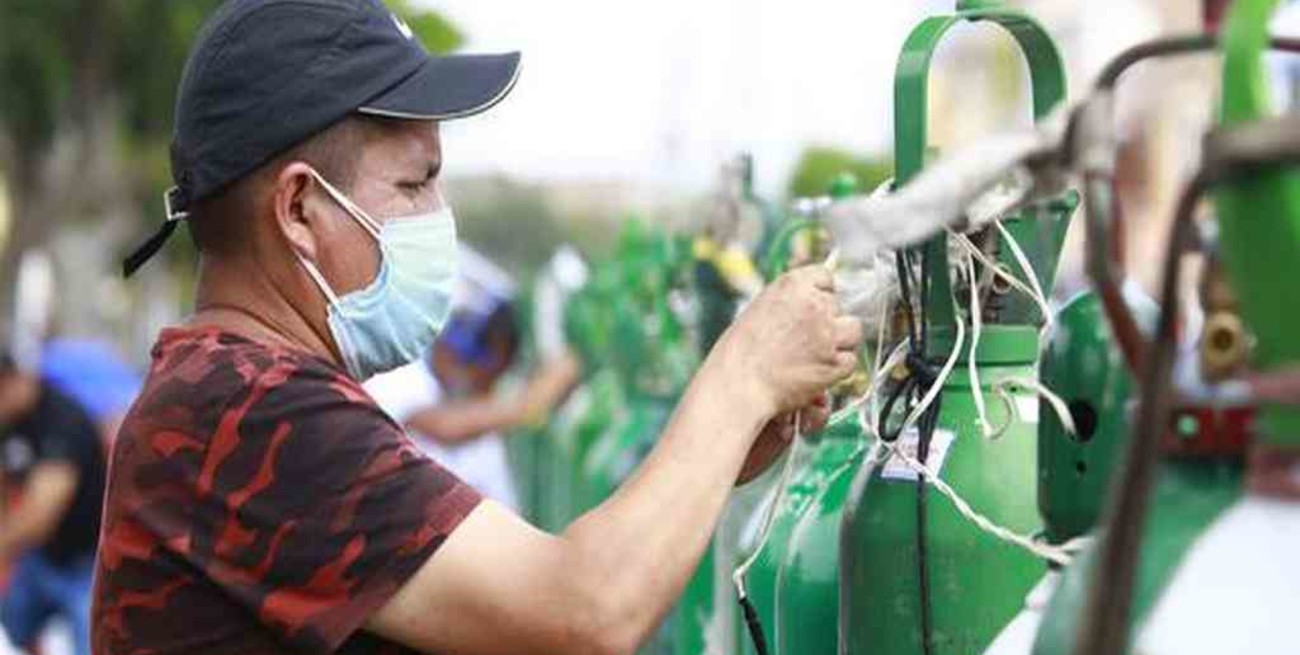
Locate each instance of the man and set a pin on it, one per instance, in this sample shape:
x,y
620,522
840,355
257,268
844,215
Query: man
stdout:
x,y
449,401
259,501
50,453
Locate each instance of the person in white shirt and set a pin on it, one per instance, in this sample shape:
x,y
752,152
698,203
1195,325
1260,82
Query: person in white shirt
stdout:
x,y
449,404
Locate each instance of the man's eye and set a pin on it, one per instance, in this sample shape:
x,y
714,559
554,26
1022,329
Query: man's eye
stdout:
x,y
411,186
418,185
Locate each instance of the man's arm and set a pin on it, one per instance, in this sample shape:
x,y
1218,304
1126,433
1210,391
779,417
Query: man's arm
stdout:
x,y
46,497
500,586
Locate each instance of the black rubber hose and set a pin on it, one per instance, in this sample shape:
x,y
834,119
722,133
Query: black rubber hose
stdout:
x,y
926,426
755,626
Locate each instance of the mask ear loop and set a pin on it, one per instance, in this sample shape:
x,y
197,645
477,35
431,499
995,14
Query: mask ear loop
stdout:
x,y
359,215
315,274
367,223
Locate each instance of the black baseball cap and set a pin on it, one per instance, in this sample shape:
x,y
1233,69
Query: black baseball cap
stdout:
x,y
266,75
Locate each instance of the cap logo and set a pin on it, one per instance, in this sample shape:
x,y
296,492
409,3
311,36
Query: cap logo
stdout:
x,y
403,27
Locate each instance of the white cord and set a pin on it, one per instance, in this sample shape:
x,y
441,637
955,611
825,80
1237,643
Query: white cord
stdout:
x,y
1028,269
1059,554
769,513
965,242
977,323
1062,554
1054,401
1034,291
882,370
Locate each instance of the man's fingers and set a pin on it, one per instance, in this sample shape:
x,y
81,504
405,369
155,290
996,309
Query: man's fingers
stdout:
x,y
818,276
815,415
848,333
845,363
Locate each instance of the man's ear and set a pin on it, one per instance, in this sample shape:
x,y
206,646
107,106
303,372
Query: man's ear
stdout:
x,y
299,212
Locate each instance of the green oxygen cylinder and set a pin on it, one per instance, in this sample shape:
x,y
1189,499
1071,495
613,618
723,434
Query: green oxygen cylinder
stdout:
x,y
974,583
1085,368
590,413
817,458
804,569
649,357
589,410
613,455
806,600
792,499
917,576
646,350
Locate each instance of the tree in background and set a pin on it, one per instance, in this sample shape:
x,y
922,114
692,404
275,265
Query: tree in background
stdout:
x,y
87,89
818,166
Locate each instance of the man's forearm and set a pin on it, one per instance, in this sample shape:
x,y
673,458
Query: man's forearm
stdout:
x,y
642,545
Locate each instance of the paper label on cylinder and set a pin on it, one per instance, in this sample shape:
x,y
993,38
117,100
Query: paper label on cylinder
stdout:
x,y
909,442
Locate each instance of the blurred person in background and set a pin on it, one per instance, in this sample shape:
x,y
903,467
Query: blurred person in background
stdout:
x,y
261,502
51,455
449,401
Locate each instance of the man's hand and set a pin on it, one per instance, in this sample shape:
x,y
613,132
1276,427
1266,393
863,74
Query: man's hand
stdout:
x,y
779,434
791,343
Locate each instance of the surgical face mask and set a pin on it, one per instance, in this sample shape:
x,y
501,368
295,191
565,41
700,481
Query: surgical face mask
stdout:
x,y
395,319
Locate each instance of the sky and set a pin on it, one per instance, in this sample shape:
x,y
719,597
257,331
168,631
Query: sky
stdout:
x,y
665,91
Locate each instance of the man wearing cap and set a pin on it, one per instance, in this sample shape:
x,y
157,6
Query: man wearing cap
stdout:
x,y
260,502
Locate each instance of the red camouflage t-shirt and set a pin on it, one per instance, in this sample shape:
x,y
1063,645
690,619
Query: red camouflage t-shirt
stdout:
x,y
260,502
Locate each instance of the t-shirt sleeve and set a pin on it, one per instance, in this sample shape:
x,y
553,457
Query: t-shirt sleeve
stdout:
x,y
319,506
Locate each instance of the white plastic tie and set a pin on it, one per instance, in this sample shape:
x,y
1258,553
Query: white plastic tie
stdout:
x,y
1054,401
769,513
977,322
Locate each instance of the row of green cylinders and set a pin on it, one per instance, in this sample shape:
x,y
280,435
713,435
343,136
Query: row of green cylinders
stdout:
x,y
638,354
840,570
862,558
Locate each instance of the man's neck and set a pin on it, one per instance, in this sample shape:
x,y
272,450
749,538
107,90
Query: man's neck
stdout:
x,y
241,299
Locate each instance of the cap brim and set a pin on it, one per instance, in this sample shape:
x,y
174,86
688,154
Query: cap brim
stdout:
x,y
449,87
